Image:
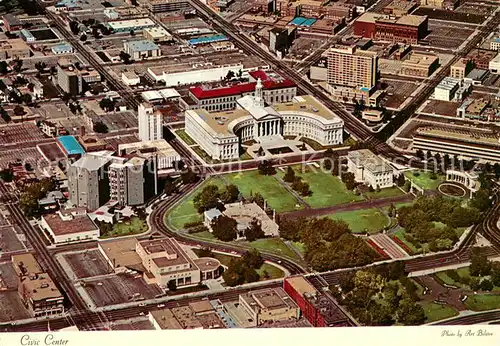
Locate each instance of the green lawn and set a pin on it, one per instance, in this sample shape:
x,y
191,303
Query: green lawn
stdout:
x,y
274,245
483,302
300,247
276,195
134,226
371,220
423,179
401,235
184,211
435,312
327,189
384,193
185,137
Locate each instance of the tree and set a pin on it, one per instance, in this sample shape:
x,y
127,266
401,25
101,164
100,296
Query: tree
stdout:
x,y
188,177
289,176
346,281
230,75
6,175
479,265
475,283
132,33
26,99
230,194
254,231
125,57
170,187
349,180
66,97
19,110
401,180
83,38
40,66
5,116
172,286
224,228
207,199
100,127
74,27
107,104
257,198
4,67
481,200
266,168
410,313
486,285
253,259
18,65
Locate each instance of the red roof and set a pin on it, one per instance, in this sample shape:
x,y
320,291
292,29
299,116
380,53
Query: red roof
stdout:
x,y
239,89
259,74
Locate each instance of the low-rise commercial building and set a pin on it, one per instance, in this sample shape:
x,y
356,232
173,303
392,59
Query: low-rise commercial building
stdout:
x,y
62,48
460,69
130,78
269,305
400,8
142,49
69,226
419,65
494,64
156,34
473,109
12,23
481,58
446,89
71,79
37,290
476,77
130,25
158,6
370,169
14,49
495,44
372,115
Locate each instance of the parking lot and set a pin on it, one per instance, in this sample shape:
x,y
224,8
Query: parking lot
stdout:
x,y
31,155
441,108
397,92
11,307
88,264
303,46
135,325
434,13
449,36
19,133
119,289
10,240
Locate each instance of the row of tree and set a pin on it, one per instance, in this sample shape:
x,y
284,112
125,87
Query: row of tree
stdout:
x,y
211,196
334,247
381,296
244,269
297,184
419,221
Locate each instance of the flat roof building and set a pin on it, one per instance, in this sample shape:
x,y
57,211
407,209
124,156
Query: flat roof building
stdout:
x,y
70,146
131,24
269,306
37,290
370,169
166,156
142,49
69,226
420,65
446,89
14,48
157,34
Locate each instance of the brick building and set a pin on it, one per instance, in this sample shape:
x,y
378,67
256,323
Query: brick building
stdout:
x,y
407,29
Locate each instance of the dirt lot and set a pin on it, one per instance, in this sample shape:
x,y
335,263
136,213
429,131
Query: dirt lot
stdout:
x,y
88,264
9,240
441,108
8,276
118,289
454,16
400,92
447,36
11,307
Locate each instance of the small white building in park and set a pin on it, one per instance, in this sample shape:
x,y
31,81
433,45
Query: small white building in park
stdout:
x,y
70,226
370,169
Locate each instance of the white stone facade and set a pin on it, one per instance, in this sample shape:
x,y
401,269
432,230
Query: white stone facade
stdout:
x,y
369,169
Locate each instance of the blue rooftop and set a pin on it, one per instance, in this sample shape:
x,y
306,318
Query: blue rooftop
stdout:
x,y
68,3
301,21
208,39
497,39
71,145
142,45
63,47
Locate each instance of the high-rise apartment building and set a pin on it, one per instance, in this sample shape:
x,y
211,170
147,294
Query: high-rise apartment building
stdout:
x,y
352,68
88,180
150,123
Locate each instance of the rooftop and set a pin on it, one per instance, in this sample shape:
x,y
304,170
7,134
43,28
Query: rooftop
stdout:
x,y
157,32
186,318
69,225
94,161
301,285
25,264
421,59
165,319
407,20
71,145
149,148
121,252
268,299
203,306
448,83
142,45
477,74
488,139
369,161
131,24
207,264
13,44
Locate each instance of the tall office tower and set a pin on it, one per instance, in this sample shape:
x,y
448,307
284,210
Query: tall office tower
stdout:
x,y
150,123
352,68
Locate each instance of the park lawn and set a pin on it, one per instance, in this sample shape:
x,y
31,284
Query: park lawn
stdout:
x,y
462,272
327,189
300,247
185,137
384,193
436,312
360,221
276,195
273,245
185,212
134,226
483,302
423,179
272,271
